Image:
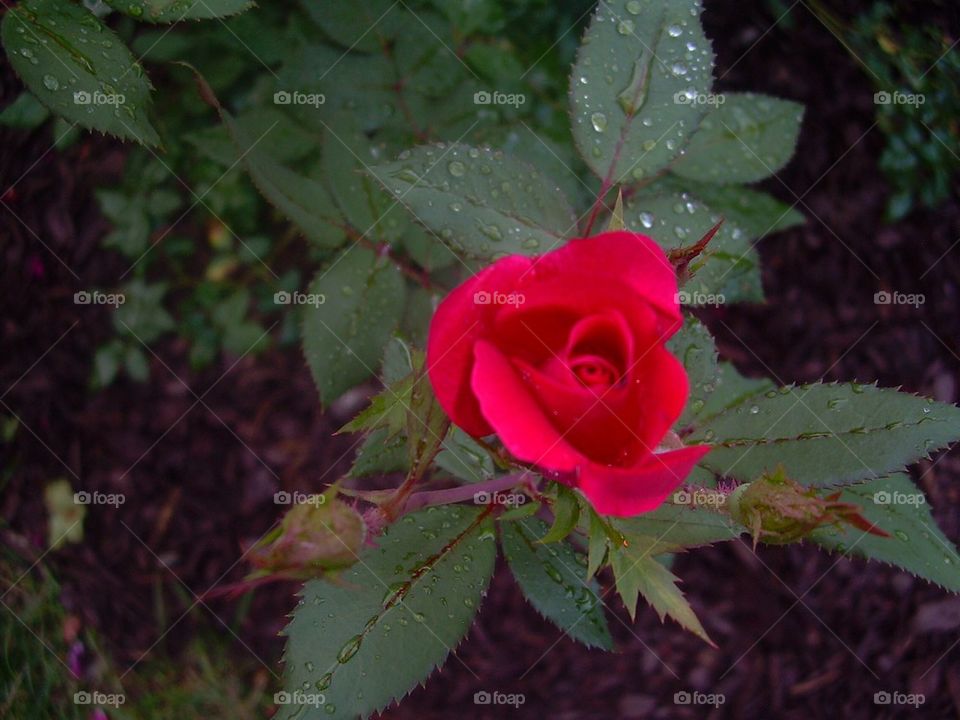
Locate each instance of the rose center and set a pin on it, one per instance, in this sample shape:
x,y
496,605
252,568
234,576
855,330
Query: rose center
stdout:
x,y
594,371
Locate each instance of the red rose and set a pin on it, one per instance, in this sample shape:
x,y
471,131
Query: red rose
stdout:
x,y
563,357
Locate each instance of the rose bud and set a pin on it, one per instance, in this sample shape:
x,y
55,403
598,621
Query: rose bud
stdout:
x,y
778,510
323,535
562,356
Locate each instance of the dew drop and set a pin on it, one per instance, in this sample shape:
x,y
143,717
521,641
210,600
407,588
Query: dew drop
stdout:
x,y
349,649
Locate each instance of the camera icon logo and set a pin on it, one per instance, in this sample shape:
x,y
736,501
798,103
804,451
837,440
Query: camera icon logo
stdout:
x,y
82,298
481,297
682,497
482,697
82,97
682,97
481,498
482,97
82,698
882,697
882,298
81,498
282,97
282,497
882,97
281,297
682,698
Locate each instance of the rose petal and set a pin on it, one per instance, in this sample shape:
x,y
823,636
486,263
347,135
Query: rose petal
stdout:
x,y
458,323
601,424
615,269
508,406
664,389
625,492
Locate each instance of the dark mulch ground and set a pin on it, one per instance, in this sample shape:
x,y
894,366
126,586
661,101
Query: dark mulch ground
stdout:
x,y
800,634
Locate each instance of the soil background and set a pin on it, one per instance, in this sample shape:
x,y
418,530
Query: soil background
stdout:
x,y
800,634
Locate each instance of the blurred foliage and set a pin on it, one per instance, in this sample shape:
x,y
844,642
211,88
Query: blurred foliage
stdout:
x,y
43,646
34,683
908,55
194,231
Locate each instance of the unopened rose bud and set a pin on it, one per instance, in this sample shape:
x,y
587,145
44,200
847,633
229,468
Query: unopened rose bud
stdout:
x,y
778,510
311,537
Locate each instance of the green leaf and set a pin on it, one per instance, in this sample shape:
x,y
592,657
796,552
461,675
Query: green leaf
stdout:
x,y
79,68
167,11
566,513
550,578
106,363
136,363
825,434
25,112
746,138
142,313
344,337
727,271
693,346
380,454
463,458
671,528
755,212
481,203
597,544
638,573
65,514
637,68
346,153
732,389
361,27
362,85
915,544
391,618
427,425
399,360
302,199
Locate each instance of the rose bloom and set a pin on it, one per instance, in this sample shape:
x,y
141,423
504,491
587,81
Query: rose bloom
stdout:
x,y
562,356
